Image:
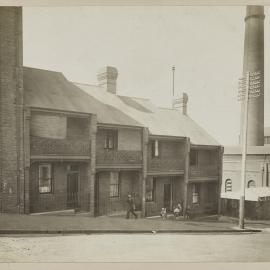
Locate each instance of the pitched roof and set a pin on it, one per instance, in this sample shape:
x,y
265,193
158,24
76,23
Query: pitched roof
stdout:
x,y
160,121
51,90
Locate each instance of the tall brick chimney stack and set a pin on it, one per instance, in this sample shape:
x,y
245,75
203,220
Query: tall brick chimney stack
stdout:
x,y
11,110
181,103
253,62
107,78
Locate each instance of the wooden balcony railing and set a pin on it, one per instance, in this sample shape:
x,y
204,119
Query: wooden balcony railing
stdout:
x,y
165,165
47,146
204,170
113,157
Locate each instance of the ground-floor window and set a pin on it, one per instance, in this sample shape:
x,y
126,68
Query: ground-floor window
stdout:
x,y
45,178
196,193
114,184
150,189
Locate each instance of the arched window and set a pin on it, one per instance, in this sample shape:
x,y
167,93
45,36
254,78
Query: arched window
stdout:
x,y
251,184
228,185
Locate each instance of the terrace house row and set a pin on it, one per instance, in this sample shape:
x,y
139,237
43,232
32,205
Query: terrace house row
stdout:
x,y
68,145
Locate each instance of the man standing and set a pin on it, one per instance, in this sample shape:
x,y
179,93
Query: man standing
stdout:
x,y
131,207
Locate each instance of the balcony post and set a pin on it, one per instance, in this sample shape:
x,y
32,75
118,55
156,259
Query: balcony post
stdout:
x,y
186,173
145,139
220,168
92,164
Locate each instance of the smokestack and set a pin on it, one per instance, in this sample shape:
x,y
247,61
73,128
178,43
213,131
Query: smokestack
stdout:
x,y
254,62
11,110
181,103
107,78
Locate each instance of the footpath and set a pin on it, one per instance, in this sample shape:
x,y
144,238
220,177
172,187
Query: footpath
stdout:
x,y
83,224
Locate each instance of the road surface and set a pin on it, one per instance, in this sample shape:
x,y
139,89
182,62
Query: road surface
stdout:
x,y
238,247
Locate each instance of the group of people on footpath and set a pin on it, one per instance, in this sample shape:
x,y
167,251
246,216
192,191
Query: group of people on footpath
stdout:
x,y
177,211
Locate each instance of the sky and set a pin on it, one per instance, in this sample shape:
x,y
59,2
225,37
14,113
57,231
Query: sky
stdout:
x,y
205,44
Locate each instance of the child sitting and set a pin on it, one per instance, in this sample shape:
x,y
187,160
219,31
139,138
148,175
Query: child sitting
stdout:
x,y
177,210
163,213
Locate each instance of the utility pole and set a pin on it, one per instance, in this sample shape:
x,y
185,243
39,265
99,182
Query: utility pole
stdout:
x,y
173,70
249,87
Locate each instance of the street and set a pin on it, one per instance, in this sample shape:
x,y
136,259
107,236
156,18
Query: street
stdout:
x,y
236,247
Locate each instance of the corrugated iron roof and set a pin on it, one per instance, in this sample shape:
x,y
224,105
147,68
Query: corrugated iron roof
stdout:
x,y
160,121
51,90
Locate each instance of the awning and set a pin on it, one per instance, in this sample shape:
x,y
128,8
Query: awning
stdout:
x,y
251,194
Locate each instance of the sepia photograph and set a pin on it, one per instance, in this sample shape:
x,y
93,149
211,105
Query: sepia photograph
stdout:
x,y
134,133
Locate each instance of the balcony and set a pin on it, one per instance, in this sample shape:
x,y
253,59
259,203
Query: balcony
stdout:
x,y
117,157
204,170
165,165
47,146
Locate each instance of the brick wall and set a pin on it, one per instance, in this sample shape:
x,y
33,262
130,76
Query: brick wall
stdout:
x,y
53,133
48,125
129,139
57,199
154,207
11,110
129,184
171,156
208,198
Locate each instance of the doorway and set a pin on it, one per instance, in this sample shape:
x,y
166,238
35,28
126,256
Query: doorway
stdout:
x,y
72,190
167,196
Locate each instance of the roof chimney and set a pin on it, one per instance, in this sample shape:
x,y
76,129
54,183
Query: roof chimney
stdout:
x,y
181,103
107,78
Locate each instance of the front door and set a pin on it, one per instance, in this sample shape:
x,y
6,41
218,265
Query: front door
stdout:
x,y
72,190
167,196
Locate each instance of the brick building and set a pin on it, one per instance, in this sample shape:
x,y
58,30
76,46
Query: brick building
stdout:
x,y
67,145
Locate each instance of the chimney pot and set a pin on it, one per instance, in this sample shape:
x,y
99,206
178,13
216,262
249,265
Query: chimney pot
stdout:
x,y
107,78
181,103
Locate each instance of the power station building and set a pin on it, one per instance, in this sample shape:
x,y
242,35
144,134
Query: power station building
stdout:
x,y
67,145
258,149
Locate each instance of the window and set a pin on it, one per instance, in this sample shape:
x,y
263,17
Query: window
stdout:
x,y
110,141
196,193
45,178
155,148
228,185
251,184
193,158
114,185
150,193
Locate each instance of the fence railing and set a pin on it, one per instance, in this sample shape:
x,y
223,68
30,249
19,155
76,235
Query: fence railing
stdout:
x,y
157,164
43,146
204,170
119,157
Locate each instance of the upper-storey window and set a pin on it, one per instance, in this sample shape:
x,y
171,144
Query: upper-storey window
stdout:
x,y
193,157
111,139
155,148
